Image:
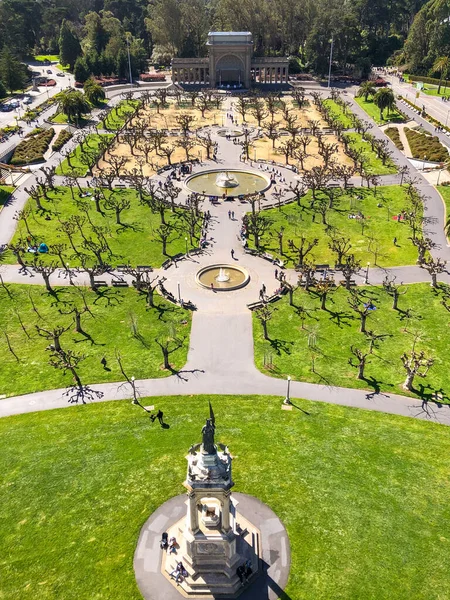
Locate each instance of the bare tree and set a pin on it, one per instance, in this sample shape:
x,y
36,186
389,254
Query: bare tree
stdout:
x,y
394,290
53,335
349,269
361,358
185,121
302,246
45,270
259,112
434,267
416,364
117,203
356,302
323,288
264,314
168,344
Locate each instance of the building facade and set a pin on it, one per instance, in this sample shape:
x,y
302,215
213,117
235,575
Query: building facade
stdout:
x,y
230,64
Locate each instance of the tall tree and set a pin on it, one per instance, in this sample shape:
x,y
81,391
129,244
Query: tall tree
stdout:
x,y
69,45
12,72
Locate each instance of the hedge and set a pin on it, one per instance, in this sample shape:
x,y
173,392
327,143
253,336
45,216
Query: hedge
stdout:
x,y
63,137
428,146
430,80
394,134
32,149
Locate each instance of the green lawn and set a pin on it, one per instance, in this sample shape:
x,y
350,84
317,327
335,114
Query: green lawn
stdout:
x,y
302,332
337,111
363,495
374,164
444,190
432,90
133,241
107,330
44,57
92,140
5,193
379,228
374,112
119,114
62,118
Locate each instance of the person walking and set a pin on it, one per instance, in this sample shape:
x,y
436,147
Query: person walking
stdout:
x,y
232,253
232,215
229,214
276,273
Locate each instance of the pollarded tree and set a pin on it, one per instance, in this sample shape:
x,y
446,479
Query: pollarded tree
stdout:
x,y
187,144
362,360
53,334
349,269
264,314
271,131
416,364
302,246
394,290
434,267
259,111
323,288
384,99
45,270
168,344
185,121
117,203
163,235
340,245
361,307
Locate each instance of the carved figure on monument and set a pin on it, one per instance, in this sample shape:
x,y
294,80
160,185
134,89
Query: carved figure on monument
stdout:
x,y
208,437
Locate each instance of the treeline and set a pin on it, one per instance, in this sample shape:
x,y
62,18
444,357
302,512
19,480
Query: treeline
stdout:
x,y
95,31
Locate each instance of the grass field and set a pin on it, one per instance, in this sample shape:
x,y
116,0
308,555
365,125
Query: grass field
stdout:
x,y
133,241
118,115
444,190
44,57
374,164
298,334
379,228
337,111
374,112
109,328
93,141
5,193
431,90
363,495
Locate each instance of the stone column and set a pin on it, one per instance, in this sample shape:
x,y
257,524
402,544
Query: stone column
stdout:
x,y
192,516
226,512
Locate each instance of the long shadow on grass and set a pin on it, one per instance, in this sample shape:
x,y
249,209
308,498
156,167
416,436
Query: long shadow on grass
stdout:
x,y
109,296
280,345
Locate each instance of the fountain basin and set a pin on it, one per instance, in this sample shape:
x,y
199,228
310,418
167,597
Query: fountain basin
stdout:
x,y
224,277
244,182
229,131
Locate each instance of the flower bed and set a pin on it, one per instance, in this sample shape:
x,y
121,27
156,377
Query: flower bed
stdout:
x,y
394,134
32,149
426,146
63,137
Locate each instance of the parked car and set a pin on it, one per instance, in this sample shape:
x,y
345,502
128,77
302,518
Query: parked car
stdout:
x,y
27,100
59,74
6,108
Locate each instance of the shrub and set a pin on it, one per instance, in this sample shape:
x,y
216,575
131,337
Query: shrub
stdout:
x,y
63,137
426,146
394,134
32,149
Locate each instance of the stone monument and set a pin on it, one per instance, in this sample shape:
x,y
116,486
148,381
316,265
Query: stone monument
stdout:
x,y
213,538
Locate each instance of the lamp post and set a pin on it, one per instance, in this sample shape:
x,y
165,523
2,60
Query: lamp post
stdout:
x,y
179,292
133,387
129,61
185,239
423,163
331,60
367,273
439,176
287,400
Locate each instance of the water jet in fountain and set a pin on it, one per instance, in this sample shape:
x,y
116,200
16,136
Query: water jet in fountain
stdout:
x,y
222,276
226,180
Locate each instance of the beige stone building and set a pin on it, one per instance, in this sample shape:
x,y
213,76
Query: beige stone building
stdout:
x,y
230,64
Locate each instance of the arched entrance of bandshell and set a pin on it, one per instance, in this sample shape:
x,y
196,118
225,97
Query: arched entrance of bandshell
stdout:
x,y
229,69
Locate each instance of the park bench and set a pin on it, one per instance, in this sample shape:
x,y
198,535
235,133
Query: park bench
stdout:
x,y
323,267
343,282
334,185
144,268
178,256
268,257
100,283
119,283
122,186
196,251
251,251
167,263
255,305
274,298
189,305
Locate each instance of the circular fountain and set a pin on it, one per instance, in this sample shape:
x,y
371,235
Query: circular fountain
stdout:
x,y
228,131
233,182
222,278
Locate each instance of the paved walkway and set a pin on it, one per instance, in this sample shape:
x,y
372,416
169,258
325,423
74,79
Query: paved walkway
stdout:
x,y
220,358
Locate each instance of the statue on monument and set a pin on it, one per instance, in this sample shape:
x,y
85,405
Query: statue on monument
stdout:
x,y
208,437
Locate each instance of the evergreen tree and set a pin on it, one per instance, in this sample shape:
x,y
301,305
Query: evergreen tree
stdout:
x,y
69,46
81,70
93,91
12,72
122,65
3,91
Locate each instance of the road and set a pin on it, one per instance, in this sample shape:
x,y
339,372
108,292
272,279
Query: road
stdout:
x,y
9,118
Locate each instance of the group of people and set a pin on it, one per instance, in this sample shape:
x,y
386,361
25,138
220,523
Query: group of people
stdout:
x,y
179,572
36,249
244,572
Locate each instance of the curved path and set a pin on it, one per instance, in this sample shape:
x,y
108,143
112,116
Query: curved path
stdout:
x,y
220,358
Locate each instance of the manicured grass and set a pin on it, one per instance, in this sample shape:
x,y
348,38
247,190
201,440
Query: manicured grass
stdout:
x,y
374,164
431,90
62,118
109,328
363,495
444,190
379,226
92,140
327,335
44,57
133,241
119,114
374,112
5,193
337,111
